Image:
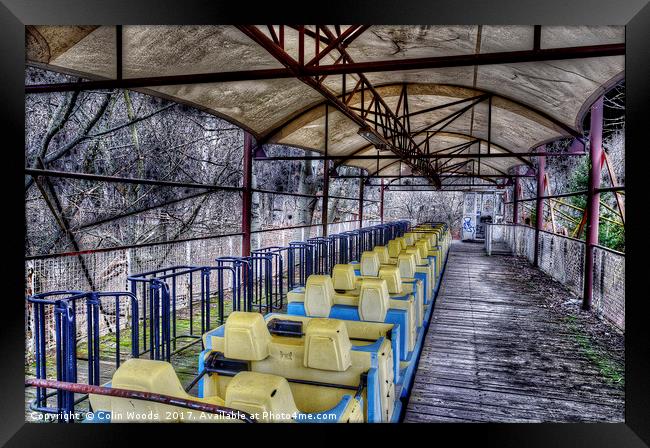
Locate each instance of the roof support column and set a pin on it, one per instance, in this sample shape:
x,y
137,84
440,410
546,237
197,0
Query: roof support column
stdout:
x,y
515,202
247,195
539,212
381,201
593,198
326,177
362,184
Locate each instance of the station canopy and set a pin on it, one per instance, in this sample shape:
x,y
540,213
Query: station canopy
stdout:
x,y
450,89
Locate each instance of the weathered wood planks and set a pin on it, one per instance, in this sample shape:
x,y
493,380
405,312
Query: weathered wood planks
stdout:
x,y
495,353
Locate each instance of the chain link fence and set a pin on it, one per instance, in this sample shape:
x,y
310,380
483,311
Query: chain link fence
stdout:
x,y
108,271
563,259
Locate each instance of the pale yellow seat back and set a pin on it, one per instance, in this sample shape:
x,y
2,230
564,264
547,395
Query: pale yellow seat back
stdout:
x,y
267,396
407,264
374,300
147,375
382,253
327,345
416,253
393,279
246,336
343,277
369,265
394,248
319,296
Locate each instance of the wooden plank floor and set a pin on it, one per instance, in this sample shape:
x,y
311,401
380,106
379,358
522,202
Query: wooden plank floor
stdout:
x,y
493,354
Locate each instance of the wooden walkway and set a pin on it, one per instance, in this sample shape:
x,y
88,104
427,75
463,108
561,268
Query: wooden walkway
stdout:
x,y
494,354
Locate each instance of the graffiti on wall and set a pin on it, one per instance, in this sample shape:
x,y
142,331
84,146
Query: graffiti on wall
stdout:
x,y
467,225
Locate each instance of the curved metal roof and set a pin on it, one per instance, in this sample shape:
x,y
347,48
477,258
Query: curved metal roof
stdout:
x,y
450,89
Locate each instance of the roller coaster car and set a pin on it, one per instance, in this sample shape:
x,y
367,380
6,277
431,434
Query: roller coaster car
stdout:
x,y
322,359
370,302
346,281
377,263
268,398
425,270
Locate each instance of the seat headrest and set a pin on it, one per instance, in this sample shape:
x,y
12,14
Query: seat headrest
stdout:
x,y
407,265
319,295
415,251
246,336
327,345
409,238
267,396
394,248
424,244
382,253
393,278
402,241
421,251
148,375
343,277
373,300
369,264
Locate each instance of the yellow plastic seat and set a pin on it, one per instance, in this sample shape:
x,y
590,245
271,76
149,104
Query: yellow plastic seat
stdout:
x,y
384,255
324,353
247,337
267,396
327,345
394,248
374,300
145,375
344,280
319,295
369,264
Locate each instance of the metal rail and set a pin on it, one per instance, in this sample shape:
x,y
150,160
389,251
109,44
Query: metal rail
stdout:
x,y
139,395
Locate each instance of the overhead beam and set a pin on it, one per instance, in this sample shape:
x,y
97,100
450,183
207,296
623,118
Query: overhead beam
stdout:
x,y
442,175
507,57
423,156
404,149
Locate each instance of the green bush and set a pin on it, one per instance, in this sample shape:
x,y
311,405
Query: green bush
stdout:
x,y
609,235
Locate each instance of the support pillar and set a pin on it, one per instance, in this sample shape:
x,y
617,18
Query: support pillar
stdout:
x,y
515,202
593,198
247,195
362,184
539,213
326,178
381,201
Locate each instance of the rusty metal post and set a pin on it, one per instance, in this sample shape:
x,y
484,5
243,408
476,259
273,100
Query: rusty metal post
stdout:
x,y
326,177
381,201
593,198
247,195
539,211
362,184
515,202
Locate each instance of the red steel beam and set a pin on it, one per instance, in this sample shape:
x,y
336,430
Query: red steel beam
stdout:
x,y
247,196
539,213
326,178
381,201
593,198
515,202
362,184
423,156
404,153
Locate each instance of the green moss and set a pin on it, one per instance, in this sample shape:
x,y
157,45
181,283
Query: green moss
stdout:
x,y
611,370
